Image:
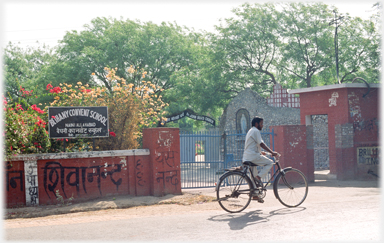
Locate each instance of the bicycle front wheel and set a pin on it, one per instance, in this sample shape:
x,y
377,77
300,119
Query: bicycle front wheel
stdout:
x,y
291,187
234,192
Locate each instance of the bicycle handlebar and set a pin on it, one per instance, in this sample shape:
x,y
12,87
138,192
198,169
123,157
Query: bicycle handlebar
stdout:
x,y
277,157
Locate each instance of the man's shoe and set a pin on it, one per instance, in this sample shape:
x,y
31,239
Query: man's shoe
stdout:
x,y
260,200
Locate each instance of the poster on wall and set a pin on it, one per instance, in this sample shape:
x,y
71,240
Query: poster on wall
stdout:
x,y
368,155
75,122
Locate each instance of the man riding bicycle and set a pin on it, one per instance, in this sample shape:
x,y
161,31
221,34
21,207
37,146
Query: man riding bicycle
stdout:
x,y
252,151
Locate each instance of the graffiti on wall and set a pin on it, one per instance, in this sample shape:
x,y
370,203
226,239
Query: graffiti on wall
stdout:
x,y
167,157
14,178
164,155
333,99
354,107
139,173
170,176
360,124
54,175
368,155
366,125
31,183
165,140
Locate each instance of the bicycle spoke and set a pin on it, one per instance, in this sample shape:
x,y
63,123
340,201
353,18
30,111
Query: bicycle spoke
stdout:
x,y
233,192
291,188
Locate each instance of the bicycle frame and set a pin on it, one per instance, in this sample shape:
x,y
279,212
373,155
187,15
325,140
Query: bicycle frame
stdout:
x,y
276,172
241,190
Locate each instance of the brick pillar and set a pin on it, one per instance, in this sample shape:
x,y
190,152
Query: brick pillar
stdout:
x,y
345,152
164,146
278,142
310,154
291,143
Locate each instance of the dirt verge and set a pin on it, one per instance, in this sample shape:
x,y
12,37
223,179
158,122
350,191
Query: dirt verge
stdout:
x,y
118,202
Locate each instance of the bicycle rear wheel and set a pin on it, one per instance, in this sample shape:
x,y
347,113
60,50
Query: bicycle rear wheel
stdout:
x,y
233,192
291,187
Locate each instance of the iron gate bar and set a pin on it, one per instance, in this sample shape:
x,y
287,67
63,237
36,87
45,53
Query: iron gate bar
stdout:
x,y
221,151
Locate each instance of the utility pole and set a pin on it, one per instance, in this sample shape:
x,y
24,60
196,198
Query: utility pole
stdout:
x,y
337,21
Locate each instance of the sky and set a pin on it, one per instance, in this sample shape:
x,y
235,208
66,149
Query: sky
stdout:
x,y
26,22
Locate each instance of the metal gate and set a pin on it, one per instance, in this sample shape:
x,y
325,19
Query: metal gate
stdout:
x,y
205,155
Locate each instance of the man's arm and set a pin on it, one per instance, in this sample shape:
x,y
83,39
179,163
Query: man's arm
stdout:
x,y
265,147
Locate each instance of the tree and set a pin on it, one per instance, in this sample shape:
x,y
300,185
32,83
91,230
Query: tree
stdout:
x,y
128,45
308,40
24,67
200,87
359,50
250,44
32,69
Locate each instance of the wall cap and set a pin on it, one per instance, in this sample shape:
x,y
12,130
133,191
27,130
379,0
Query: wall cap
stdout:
x,y
333,86
93,154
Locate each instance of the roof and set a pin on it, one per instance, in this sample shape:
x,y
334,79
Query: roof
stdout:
x,y
333,86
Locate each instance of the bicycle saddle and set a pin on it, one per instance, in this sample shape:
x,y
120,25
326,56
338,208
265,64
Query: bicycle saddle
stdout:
x,y
249,163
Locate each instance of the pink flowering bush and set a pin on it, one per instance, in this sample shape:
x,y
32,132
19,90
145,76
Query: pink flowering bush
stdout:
x,y
25,131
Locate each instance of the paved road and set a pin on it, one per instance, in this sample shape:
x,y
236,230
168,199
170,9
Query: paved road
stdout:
x,y
348,211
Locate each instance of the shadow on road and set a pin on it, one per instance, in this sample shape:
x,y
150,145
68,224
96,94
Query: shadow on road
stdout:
x,y
241,220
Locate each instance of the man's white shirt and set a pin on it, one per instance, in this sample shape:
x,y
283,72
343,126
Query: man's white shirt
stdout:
x,y
252,147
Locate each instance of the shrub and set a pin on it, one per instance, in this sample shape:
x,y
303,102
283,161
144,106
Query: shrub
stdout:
x,y
130,108
25,131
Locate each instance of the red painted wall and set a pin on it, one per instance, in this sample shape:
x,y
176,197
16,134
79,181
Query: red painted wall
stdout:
x,y
164,144
291,142
318,103
153,172
343,106
364,115
84,178
15,184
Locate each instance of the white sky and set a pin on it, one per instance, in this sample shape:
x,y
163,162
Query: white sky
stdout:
x,y
47,21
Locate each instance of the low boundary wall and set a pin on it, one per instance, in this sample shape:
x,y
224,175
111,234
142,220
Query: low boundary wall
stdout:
x,y
35,179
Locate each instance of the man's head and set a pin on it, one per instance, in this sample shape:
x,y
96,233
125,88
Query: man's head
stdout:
x,y
257,122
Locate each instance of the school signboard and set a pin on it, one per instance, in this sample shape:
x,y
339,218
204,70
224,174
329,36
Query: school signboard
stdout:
x,y
75,122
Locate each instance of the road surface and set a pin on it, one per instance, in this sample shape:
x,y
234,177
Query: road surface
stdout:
x,y
345,211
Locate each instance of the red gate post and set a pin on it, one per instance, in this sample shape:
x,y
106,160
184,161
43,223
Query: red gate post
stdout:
x,y
164,146
291,143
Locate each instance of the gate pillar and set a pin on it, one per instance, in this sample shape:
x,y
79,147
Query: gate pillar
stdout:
x,y
291,142
164,146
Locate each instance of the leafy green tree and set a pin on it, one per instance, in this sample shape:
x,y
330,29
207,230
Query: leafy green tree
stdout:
x,y
199,87
250,46
161,50
24,67
358,50
31,69
309,40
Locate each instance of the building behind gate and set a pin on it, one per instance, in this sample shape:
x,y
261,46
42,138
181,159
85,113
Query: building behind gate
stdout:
x,y
353,126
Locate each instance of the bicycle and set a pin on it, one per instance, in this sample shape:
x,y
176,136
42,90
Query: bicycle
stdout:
x,y
235,188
